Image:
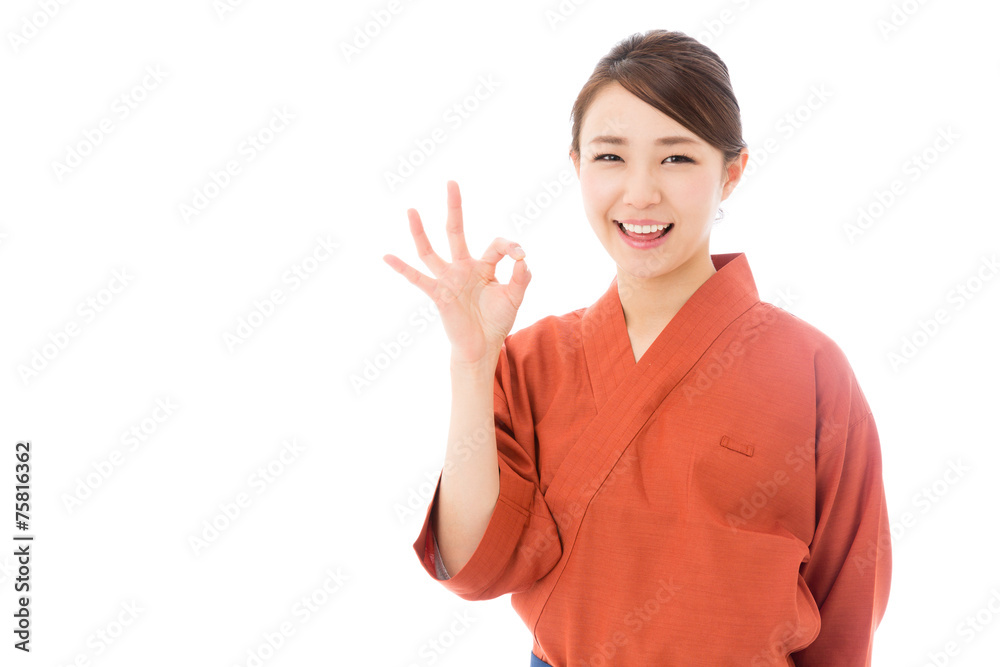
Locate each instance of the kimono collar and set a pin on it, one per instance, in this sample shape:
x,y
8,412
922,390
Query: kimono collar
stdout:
x,y
732,279
727,294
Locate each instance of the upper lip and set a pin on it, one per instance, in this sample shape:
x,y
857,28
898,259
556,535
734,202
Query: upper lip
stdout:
x,y
651,223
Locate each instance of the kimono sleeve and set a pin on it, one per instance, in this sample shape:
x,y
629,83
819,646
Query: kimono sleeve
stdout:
x,y
521,543
849,564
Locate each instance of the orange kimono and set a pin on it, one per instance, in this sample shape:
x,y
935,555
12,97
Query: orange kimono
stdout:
x,y
720,502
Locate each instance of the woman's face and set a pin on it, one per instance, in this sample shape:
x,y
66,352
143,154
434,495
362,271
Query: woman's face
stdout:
x,y
627,175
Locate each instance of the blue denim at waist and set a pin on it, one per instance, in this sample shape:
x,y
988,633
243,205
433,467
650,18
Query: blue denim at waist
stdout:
x,y
538,662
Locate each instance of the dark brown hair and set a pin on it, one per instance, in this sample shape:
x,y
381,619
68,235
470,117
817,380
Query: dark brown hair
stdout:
x,y
676,74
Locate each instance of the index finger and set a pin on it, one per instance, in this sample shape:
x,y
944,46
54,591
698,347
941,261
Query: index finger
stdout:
x,y
456,236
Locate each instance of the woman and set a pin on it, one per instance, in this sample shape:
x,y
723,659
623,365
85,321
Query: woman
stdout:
x,y
680,474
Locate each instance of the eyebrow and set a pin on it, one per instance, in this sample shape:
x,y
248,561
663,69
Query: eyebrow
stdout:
x,y
622,141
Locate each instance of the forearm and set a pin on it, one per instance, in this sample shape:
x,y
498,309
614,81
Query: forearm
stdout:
x,y
470,481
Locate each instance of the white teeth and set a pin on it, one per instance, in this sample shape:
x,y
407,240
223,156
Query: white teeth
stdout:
x,y
643,229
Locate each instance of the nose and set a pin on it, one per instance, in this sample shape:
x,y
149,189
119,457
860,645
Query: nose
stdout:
x,y
641,189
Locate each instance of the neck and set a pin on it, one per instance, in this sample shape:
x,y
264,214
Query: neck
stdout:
x,y
650,303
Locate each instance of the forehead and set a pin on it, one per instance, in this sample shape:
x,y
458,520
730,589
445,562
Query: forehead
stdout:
x,y
616,111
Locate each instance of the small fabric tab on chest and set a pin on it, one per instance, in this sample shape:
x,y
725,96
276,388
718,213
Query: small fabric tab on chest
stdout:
x,y
744,448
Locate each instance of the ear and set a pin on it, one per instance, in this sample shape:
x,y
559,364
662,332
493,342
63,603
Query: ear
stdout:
x,y
575,157
734,172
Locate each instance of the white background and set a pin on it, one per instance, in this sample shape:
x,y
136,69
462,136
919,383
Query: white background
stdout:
x,y
368,448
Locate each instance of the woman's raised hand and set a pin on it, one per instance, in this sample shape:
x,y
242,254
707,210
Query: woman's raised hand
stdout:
x,y
476,310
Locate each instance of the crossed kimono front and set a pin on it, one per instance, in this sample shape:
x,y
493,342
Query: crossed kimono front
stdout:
x,y
720,501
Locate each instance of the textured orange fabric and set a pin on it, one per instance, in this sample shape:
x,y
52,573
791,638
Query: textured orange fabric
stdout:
x,y
720,502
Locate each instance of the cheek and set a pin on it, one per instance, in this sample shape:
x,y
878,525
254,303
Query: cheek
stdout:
x,y
696,193
597,190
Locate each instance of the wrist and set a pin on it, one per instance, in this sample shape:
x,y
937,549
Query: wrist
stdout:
x,y
485,365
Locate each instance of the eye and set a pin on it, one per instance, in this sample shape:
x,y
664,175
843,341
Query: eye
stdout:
x,y
672,159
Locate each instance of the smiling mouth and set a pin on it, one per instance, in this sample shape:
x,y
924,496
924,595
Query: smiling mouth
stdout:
x,y
647,236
